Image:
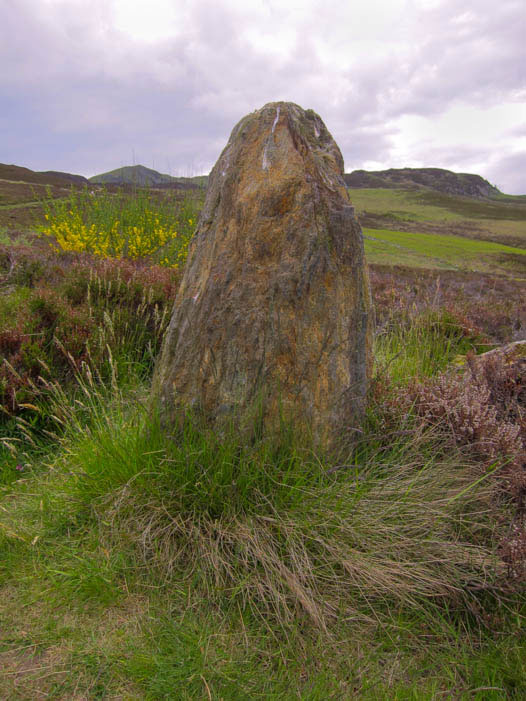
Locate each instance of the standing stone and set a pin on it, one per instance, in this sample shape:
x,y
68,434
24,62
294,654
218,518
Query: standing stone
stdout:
x,y
274,305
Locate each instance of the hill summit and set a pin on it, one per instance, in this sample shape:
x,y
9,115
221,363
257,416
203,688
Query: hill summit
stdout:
x,y
132,175
460,184
146,177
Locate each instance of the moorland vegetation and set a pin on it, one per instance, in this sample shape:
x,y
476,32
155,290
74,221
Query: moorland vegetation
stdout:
x,y
140,564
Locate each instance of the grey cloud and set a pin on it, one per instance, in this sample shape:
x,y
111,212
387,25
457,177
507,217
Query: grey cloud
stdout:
x,y
78,95
473,52
458,156
509,173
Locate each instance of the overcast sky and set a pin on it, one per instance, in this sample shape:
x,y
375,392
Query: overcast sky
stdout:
x,y
90,85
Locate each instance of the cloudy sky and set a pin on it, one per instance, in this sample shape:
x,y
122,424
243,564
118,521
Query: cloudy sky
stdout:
x,y
89,85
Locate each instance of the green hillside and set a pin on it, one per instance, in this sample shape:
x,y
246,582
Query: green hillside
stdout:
x,y
426,211
442,251
132,175
145,177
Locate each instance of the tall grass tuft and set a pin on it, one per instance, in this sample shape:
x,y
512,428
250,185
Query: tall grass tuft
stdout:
x,y
413,343
272,528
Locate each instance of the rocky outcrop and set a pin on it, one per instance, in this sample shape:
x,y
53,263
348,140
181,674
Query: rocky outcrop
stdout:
x,y
274,306
439,179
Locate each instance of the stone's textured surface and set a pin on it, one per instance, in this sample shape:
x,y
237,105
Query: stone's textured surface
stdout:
x,y
275,296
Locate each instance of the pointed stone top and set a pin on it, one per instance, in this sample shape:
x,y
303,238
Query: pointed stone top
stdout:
x,y
306,128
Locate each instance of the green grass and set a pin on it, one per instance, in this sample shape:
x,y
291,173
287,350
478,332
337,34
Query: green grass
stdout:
x,y
442,251
135,561
424,346
143,563
493,220
273,594
114,590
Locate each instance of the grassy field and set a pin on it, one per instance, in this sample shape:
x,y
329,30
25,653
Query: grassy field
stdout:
x,y
136,564
427,250
500,221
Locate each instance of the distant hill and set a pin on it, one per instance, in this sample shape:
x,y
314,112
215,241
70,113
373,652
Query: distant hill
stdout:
x,y
68,177
48,177
460,184
438,179
145,177
131,175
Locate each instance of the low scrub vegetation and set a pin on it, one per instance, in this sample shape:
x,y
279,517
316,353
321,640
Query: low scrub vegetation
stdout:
x,y
115,225
60,313
145,563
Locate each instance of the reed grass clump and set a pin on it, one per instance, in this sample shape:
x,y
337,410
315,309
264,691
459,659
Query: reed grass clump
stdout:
x,y
270,526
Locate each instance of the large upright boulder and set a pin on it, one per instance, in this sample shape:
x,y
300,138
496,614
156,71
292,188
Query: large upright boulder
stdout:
x,y
274,306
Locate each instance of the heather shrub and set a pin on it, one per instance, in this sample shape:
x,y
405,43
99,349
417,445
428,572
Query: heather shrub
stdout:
x,y
108,314
428,378
489,307
504,373
482,410
462,403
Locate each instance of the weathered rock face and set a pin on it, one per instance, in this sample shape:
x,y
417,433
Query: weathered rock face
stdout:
x,y
275,299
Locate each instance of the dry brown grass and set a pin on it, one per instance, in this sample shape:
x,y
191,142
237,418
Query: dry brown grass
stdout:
x,y
365,543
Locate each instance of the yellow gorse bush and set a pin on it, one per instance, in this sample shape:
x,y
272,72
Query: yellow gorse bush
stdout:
x,y
90,224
